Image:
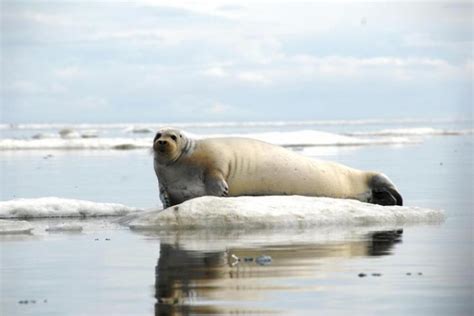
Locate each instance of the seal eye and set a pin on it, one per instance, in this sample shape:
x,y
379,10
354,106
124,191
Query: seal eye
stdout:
x,y
173,137
158,135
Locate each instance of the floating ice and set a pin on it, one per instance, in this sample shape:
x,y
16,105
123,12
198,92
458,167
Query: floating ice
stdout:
x,y
279,211
43,136
59,207
139,130
92,133
415,131
69,133
14,227
287,139
76,143
316,138
65,227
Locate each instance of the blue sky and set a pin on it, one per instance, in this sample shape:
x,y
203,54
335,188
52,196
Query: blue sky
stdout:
x,y
209,60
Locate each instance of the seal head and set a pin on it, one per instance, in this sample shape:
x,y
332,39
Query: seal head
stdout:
x,y
168,145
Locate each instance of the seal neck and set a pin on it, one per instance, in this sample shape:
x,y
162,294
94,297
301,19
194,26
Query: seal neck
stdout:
x,y
186,149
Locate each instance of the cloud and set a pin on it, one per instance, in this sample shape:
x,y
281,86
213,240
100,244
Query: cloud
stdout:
x,y
224,59
422,40
215,71
253,77
69,72
297,69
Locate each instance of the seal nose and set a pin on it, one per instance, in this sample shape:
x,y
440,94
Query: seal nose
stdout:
x,y
162,142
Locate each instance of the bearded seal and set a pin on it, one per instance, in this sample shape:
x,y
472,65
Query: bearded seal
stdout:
x,y
187,168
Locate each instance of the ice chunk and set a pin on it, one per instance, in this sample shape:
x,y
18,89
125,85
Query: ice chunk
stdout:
x,y
66,227
59,207
14,227
305,138
279,211
414,131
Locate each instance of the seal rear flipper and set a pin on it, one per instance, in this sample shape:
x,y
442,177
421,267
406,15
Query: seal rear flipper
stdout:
x,y
385,197
384,191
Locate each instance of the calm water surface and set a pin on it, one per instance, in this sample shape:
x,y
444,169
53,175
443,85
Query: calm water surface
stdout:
x,y
108,269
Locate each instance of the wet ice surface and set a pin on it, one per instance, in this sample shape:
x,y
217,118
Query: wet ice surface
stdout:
x,y
108,269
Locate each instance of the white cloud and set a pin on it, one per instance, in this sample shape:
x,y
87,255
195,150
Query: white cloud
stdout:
x,y
422,40
297,69
253,77
216,71
300,68
164,50
69,72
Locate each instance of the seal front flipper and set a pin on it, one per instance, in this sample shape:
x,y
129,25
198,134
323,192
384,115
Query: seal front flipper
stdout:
x,y
164,197
215,185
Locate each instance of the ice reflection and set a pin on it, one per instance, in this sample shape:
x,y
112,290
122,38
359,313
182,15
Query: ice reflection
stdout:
x,y
217,272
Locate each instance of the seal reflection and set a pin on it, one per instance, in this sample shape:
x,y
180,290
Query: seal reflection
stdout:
x,y
191,274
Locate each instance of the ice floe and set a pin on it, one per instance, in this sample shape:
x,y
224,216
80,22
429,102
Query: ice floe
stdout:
x,y
14,227
75,143
279,211
315,138
415,131
64,227
59,207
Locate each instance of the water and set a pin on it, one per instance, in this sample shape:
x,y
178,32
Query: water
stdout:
x,y
108,269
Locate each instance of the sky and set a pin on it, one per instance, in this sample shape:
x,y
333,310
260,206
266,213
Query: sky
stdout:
x,y
220,60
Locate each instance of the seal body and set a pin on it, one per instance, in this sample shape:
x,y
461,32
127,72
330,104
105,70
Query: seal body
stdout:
x,y
188,168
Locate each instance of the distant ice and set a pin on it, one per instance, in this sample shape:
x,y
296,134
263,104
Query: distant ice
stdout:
x,y
59,207
416,131
75,143
69,133
287,139
65,227
14,227
279,211
118,136
140,129
43,136
315,138
91,133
